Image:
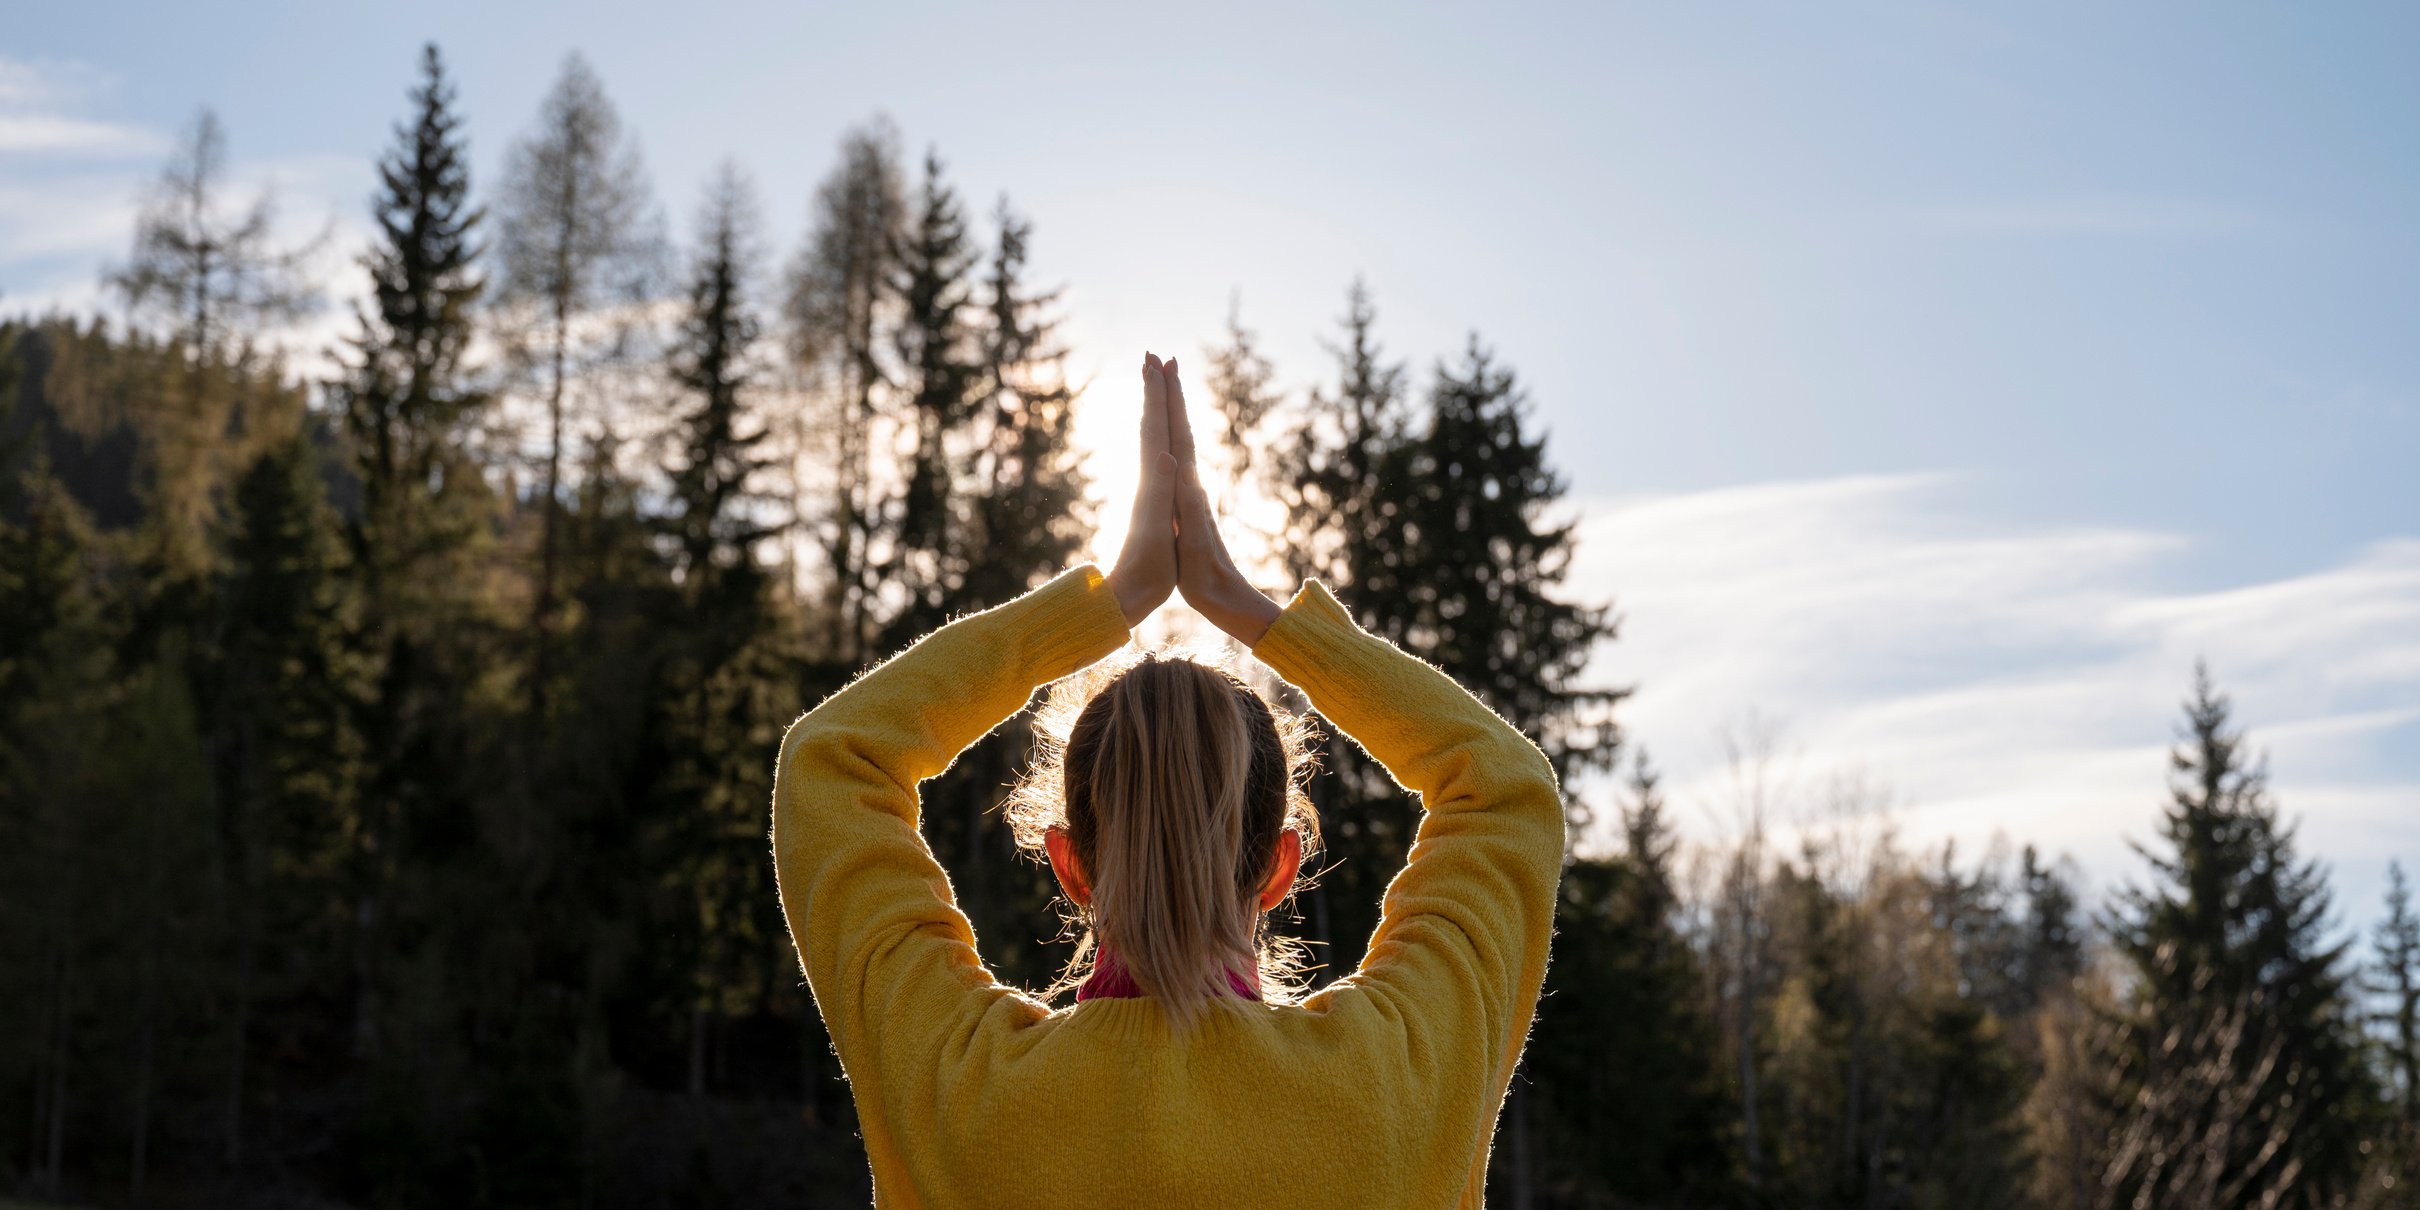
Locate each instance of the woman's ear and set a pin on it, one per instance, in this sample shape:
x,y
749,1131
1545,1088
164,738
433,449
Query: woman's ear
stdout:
x,y
1063,863
1281,874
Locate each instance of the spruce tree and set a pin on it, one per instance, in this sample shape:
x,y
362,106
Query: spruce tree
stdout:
x,y
724,692
1031,514
1243,387
1624,1060
408,404
2398,967
1437,536
410,409
2052,949
1943,1086
44,537
561,922
1026,520
283,687
715,484
56,676
1335,475
940,374
1471,565
2237,1044
1480,557
1648,842
1332,475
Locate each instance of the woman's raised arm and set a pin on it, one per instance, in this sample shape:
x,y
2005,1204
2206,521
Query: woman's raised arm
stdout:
x,y
888,955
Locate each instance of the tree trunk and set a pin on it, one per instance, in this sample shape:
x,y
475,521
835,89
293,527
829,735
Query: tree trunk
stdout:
x,y
147,1007
244,897
139,1155
1751,1144
50,1122
247,946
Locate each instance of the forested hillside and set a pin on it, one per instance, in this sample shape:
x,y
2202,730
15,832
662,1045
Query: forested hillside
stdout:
x,y
385,752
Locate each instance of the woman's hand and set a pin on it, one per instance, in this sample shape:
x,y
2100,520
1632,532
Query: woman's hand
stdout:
x,y
1205,572
1146,570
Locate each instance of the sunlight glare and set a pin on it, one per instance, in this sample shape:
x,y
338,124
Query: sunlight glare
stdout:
x,y
1108,424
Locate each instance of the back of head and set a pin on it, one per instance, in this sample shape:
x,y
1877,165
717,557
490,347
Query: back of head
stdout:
x,y
1174,781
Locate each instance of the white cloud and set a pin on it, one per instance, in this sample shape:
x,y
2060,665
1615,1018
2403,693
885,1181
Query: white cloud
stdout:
x,y
87,216
37,100
44,132
67,197
2006,679
47,81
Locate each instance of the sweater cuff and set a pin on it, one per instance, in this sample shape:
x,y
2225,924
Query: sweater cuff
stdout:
x,y
1310,640
1072,621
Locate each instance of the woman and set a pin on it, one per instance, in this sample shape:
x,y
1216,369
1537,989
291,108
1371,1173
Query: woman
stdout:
x,y
1186,1073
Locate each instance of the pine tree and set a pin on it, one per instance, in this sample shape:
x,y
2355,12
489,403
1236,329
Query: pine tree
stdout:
x,y
1243,388
715,486
410,410
1624,1058
52,641
1947,1088
56,676
44,535
1649,845
2240,1016
159,909
724,694
1479,559
1027,519
1031,514
1332,473
937,357
573,236
841,300
407,405
1439,538
2052,952
2398,946
283,689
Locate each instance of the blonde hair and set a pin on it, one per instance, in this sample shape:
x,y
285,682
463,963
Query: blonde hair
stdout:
x,y
1175,781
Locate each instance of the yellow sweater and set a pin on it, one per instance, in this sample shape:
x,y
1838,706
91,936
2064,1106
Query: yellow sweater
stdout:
x,y
1380,1090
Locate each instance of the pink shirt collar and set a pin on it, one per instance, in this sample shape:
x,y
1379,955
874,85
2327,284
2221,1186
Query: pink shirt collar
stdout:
x,y
1110,980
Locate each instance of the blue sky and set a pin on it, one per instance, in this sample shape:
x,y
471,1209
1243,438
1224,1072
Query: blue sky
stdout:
x,y
1938,381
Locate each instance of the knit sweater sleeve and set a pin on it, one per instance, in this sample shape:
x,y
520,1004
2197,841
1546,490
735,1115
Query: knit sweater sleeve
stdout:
x,y
889,957
1461,945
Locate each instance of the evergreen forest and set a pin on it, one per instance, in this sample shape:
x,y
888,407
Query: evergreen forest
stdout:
x,y
387,735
